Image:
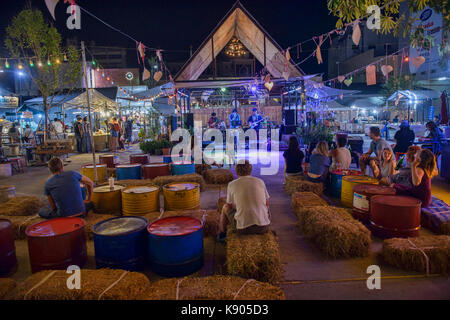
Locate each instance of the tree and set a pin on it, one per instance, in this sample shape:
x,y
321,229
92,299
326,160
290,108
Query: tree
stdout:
x,y
37,46
396,83
391,20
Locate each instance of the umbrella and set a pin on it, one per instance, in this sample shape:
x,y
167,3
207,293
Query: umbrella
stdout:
x,y
444,115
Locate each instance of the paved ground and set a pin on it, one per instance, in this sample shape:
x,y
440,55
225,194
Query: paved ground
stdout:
x,y
307,273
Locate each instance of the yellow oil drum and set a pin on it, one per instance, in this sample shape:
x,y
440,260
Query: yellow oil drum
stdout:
x,y
181,196
107,200
140,200
348,183
88,171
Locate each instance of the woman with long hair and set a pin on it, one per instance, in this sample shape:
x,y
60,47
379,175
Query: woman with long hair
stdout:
x,y
388,164
403,176
293,158
423,169
318,163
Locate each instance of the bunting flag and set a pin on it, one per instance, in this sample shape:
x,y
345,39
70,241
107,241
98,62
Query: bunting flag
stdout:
x,y
146,74
418,61
318,52
157,76
141,51
386,69
159,55
51,5
341,79
371,76
348,82
356,36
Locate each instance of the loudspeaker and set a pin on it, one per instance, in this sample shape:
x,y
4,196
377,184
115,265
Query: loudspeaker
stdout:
x,y
289,117
290,129
173,123
189,120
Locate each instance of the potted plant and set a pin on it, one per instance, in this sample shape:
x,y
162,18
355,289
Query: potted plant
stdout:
x,y
313,134
166,146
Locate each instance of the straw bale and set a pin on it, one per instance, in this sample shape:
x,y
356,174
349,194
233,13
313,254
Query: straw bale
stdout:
x,y
401,253
6,286
201,168
213,288
218,176
21,206
300,184
210,219
91,220
334,231
163,180
21,223
445,228
132,286
301,200
255,256
220,203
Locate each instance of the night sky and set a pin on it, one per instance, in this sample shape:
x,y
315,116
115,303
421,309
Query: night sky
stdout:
x,y
175,25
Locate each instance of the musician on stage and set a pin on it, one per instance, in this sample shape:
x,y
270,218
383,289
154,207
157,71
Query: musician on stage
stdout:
x,y
255,120
235,125
213,122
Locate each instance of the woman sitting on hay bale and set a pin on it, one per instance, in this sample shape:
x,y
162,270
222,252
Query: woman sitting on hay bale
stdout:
x,y
247,207
293,158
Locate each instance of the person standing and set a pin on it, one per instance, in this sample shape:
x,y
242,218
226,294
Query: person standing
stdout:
x,y
213,122
404,138
78,130
120,137
128,126
255,120
86,138
58,128
114,132
27,135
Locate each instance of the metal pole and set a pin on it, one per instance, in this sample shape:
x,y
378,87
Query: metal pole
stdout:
x,y
89,110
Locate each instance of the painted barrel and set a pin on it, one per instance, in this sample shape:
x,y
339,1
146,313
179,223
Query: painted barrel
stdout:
x,y
395,216
167,159
8,260
129,171
348,183
121,243
175,246
153,170
57,243
180,168
88,171
139,158
140,200
336,180
6,193
109,159
181,196
361,199
107,200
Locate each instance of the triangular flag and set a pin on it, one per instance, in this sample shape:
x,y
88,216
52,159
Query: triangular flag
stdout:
x,y
159,55
141,51
51,5
267,78
371,76
356,36
418,61
269,85
286,75
157,76
348,82
146,74
288,55
386,69
341,79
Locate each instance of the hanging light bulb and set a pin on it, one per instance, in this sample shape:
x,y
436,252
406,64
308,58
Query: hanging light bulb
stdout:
x,y
65,57
98,69
20,66
103,74
39,64
58,61
31,63
48,62
7,64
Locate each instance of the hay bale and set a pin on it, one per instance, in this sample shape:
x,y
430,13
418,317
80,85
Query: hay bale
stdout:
x,y
220,203
403,254
201,168
301,200
210,219
213,288
163,180
21,223
253,256
131,286
6,286
218,176
334,231
21,206
300,184
91,220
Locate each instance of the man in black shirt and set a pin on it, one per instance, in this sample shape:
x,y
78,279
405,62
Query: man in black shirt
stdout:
x,y
404,138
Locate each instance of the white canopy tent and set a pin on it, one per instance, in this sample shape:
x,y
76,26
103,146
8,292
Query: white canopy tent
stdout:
x,y
99,103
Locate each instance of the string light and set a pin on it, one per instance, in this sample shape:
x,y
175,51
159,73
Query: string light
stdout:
x,y
235,48
48,62
7,64
58,61
31,63
19,66
39,64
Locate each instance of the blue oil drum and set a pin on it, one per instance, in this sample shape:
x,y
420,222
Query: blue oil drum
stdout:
x,y
121,243
129,171
180,168
167,159
175,246
336,180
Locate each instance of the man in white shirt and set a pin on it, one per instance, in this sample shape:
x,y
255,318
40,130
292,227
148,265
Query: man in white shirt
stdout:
x,y
247,207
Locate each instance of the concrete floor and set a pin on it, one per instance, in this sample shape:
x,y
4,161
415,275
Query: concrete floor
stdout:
x,y
307,274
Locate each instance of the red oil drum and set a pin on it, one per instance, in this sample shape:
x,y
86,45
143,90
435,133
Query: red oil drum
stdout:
x,y
57,244
139,158
395,216
154,170
109,159
361,199
8,260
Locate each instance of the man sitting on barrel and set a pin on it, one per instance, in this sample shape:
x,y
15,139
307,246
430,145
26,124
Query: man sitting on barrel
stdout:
x,y
63,192
247,207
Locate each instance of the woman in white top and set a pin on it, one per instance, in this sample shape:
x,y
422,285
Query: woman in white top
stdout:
x,y
341,156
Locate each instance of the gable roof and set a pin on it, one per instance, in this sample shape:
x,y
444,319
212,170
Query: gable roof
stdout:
x,y
238,23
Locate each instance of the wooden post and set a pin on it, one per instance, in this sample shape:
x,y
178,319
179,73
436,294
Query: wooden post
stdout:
x,y
214,58
89,110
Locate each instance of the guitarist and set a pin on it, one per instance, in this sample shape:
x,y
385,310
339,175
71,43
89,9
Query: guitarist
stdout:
x,y
235,125
255,120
